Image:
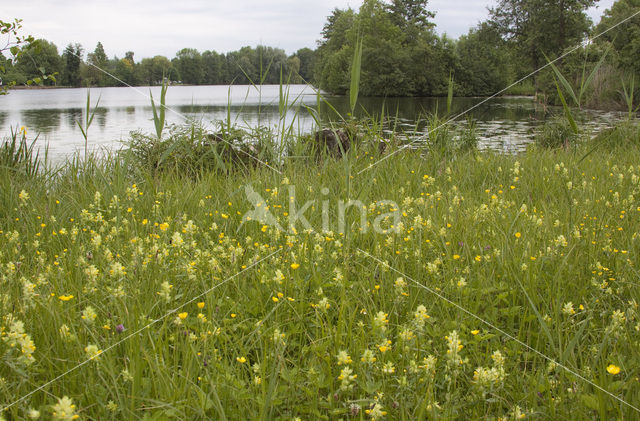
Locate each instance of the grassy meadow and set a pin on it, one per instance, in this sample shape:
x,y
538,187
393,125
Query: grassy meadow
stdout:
x,y
506,288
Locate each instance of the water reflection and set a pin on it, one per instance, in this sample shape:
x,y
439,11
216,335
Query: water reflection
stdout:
x,y
72,115
101,116
41,121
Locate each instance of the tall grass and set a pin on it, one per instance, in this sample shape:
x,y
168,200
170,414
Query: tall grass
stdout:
x,y
628,95
86,264
160,112
89,114
356,70
577,94
20,156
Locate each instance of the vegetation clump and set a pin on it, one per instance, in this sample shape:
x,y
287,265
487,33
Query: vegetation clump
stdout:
x,y
191,150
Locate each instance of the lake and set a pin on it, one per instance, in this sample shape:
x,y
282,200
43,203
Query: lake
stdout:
x,y
504,124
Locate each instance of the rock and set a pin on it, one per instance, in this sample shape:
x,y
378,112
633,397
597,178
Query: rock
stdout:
x,y
336,142
213,138
382,146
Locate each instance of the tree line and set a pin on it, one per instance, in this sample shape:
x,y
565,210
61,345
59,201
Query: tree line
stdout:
x,y
402,54
72,68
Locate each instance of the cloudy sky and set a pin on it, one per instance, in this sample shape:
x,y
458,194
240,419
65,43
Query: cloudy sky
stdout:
x,y
151,27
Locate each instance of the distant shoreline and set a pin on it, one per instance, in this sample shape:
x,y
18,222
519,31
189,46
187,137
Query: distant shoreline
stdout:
x,y
36,87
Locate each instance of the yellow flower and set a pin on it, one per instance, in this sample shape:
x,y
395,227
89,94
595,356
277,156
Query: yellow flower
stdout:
x,y
294,266
456,256
475,332
200,305
65,297
518,235
92,352
164,226
343,358
275,299
23,196
241,360
183,315
613,369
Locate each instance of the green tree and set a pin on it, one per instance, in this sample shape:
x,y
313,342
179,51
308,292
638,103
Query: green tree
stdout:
x,y
241,67
71,60
125,70
214,68
401,55
11,42
335,52
292,74
188,62
538,27
151,71
412,17
38,60
484,67
625,38
383,58
97,64
307,62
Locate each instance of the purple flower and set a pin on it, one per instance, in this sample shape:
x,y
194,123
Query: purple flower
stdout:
x,y
120,328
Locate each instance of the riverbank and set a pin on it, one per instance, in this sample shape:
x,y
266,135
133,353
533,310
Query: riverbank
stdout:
x,y
451,279
36,87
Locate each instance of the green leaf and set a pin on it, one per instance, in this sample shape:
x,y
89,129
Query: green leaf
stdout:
x,y
159,114
567,110
84,134
586,84
156,118
563,81
590,402
615,387
574,341
450,93
543,324
355,75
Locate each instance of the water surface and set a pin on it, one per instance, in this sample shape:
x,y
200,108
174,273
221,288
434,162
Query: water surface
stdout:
x,y
504,124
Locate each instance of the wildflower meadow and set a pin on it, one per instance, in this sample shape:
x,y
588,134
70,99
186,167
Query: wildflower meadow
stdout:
x,y
426,286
